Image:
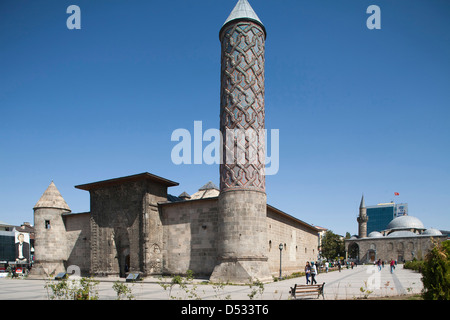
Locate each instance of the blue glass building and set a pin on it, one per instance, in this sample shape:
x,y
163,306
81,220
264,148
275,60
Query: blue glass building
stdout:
x,y
383,213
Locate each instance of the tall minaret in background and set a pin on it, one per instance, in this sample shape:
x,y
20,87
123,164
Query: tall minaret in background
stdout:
x,y
362,219
242,241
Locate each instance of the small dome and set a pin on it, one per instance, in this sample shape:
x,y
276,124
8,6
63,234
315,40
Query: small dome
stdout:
x,y
402,234
432,232
405,222
375,234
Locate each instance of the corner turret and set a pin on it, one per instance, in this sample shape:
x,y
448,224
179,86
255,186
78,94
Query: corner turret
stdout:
x,y
50,232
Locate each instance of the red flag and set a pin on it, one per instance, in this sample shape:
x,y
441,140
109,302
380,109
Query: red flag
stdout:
x,y
396,194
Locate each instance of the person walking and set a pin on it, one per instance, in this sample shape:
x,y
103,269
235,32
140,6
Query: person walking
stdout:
x,y
307,271
392,265
313,273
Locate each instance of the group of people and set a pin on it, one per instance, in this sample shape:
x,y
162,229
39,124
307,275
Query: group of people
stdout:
x,y
311,271
380,264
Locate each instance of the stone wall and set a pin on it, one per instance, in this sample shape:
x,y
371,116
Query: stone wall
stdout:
x,y
190,238
78,241
299,240
190,230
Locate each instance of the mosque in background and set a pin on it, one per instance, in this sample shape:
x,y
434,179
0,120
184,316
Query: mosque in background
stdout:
x,y
403,239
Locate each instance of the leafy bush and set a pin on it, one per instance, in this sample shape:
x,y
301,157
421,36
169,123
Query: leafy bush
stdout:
x,y
436,273
80,289
416,265
122,291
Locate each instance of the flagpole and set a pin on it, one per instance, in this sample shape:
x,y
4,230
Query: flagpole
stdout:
x,y
395,207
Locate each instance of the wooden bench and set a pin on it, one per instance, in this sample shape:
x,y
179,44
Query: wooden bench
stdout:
x,y
304,290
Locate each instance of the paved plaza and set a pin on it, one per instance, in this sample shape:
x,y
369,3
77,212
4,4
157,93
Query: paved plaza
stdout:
x,y
357,283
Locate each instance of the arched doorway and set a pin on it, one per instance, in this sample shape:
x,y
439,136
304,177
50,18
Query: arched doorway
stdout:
x,y
372,255
122,242
124,262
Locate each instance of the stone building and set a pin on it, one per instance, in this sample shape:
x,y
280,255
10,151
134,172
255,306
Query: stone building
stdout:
x,y
136,226
404,239
228,233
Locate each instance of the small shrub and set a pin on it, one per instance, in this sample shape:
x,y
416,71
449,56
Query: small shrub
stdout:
x,y
436,273
416,265
122,291
82,289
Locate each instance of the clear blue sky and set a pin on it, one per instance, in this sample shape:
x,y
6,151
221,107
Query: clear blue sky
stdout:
x,y
359,110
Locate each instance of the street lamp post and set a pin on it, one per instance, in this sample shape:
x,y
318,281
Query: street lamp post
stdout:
x,y
281,249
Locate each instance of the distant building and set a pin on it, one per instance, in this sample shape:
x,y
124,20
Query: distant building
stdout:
x,y
5,226
382,214
6,246
404,238
9,238
322,232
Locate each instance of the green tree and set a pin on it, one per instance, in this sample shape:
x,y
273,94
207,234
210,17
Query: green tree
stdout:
x,y
332,246
436,273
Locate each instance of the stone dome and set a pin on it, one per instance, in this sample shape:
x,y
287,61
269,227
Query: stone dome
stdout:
x,y
405,222
402,234
375,234
432,232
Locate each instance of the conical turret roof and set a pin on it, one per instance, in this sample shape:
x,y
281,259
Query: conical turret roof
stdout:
x,y
52,198
243,10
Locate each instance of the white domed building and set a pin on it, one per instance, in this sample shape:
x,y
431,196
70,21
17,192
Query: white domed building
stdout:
x,y
404,239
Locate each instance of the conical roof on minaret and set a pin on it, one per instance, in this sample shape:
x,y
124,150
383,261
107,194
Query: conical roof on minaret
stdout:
x,y
52,198
243,11
362,204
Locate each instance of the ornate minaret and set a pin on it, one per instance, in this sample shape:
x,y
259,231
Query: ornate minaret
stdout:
x,y
242,244
362,219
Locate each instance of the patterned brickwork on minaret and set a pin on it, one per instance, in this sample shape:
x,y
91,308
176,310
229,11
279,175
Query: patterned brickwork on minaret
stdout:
x,y
242,106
